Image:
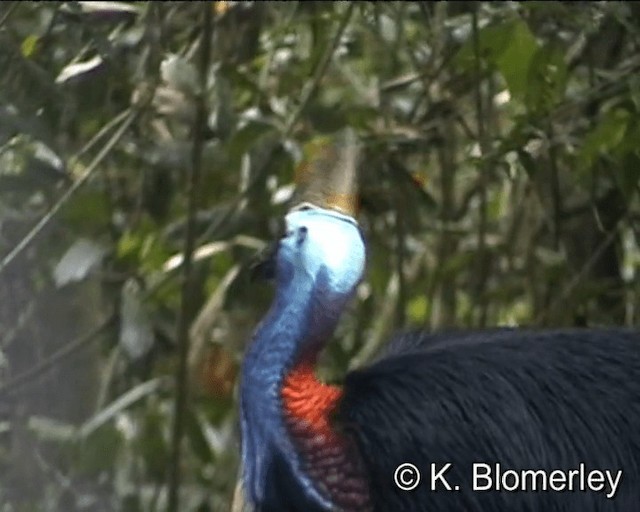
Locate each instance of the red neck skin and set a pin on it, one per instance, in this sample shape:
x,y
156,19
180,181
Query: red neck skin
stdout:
x,y
329,458
308,401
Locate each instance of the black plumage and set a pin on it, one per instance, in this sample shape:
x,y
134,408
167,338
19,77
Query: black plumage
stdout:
x,y
524,399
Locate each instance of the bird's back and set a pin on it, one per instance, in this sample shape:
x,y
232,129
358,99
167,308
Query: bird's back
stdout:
x,y
526,400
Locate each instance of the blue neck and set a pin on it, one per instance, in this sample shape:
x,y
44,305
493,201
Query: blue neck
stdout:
x,y
318,265
298,324
274,350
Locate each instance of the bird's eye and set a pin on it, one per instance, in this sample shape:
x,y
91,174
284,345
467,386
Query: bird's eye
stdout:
x,y
302,234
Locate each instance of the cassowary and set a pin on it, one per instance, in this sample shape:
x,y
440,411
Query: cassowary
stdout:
x,y
498,420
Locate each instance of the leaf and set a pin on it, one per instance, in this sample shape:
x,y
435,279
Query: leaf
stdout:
x,y
417,309
222,118
549,257
246,137
143,247
78,69
88,212
179,73
546,80
109,7
456,263
29,45
509,47
77,262
102,10
99,451
628,175
129,246
47,156
152,444
607,134
515,59
197,438
634,90
48,429
136,330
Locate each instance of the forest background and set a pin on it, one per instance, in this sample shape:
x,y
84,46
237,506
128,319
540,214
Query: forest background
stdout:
x,y
499,186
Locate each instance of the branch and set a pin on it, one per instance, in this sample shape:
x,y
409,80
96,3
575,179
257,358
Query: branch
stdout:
x,y
311,86
484,149
75,186
566,292
7,13
62,353
180,403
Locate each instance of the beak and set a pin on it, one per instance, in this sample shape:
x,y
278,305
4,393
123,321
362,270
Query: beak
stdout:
x,y
264,266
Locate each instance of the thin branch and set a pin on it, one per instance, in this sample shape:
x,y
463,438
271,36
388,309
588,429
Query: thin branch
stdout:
x,y
59,355
484,149
180,403
311,86
8,13
383,323
75,186
401,256
566,292
205,320
24,317
101,133
121,403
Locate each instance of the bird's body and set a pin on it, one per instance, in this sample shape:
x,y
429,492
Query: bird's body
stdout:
x,y
526,400
540,401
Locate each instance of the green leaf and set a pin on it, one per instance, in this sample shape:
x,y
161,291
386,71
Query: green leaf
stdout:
x,y
546,80
29,46
88,212
417,309
628,175
607,134
246,138
634,90
99,450
128,246
196,437
515,58
152,445
143,246
509,47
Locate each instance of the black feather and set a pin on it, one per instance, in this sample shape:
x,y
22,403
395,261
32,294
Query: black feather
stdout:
x,y
284,492
524,399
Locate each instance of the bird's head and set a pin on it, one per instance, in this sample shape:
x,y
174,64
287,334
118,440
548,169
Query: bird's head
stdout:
x,y
321,247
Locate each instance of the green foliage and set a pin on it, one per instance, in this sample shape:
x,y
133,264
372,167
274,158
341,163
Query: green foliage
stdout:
x,y
499,186
509,47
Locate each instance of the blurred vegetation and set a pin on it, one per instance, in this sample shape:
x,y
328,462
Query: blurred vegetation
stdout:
x,y
499,186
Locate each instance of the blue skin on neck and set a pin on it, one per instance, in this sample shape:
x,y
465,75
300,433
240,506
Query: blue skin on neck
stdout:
x,y
318,265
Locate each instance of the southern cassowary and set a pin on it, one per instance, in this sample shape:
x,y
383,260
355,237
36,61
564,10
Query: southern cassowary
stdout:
x,y
533,402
